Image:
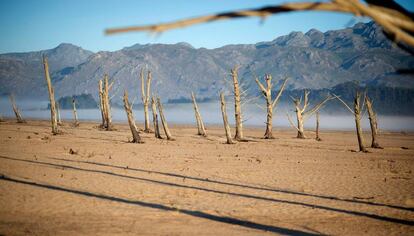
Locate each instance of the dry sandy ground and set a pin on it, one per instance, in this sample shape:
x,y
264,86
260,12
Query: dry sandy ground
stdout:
x,y
199,186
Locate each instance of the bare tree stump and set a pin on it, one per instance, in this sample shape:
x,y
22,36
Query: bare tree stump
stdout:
x,y
53,115
270,104
237,105
16,110
107,104
101,104
155,118
225,120
200,124
164,121
59,121
357,113
136,138
75,113
302,113
145,96
373,123
317,138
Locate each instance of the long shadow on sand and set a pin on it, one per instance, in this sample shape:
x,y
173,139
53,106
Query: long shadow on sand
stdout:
x,y
199,214
239,185
350,212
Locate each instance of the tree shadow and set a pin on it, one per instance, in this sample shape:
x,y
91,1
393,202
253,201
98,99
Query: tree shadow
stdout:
x,y
239,185
255,197
199,214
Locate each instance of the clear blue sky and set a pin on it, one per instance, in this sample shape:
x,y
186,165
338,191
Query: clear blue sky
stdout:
x,y
30,25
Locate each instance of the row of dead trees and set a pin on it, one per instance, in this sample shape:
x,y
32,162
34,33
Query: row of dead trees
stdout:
x,y
303,110
147,100
54,106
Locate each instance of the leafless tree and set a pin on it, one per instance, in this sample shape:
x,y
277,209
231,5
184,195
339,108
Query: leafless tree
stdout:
x,y
136,138
225,120
303,113
270,104
199,120
59,121
373,122
101,104
75,113
51,91
105,103
317,138
16,110
145,96
155,118
164,121
237,104
357,112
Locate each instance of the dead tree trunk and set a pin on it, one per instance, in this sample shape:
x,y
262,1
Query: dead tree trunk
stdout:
x,y
317,138
200,124
145,96
131,121
373,122
155,118
270,104
299,118
16,110
107,106
59,121
51,97
101,104
75,113
357,114
164,121
225,120
302,113
237,105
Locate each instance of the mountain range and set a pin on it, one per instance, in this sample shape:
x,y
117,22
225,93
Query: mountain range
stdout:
x,y
313,60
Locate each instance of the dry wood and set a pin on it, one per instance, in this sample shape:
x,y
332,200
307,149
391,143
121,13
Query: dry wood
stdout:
x,y
317,138
75,113
53,116
164,121
155,118
397,22
16,110
145,96
101,104
373,122
199,120
270,105
59,121
357,113
136,138
302,113
225,120
107,106
237,106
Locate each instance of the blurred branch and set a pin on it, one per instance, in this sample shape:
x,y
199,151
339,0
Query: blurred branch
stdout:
x,y
396,21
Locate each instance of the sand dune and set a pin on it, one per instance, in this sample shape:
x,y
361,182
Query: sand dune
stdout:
x,y
92,182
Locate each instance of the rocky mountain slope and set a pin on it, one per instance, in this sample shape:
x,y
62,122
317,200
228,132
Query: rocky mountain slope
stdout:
x,y
313,60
